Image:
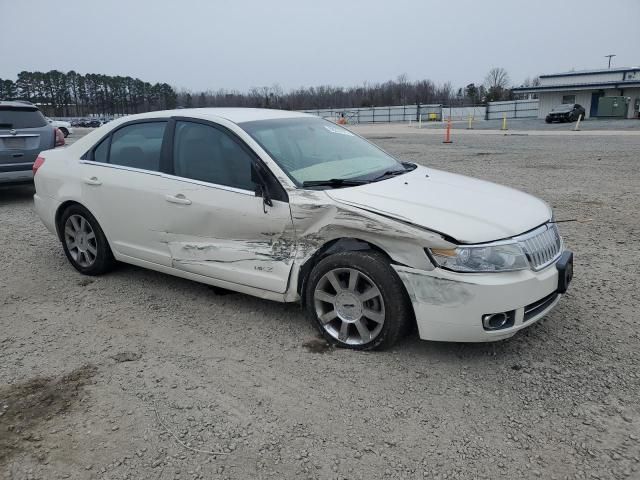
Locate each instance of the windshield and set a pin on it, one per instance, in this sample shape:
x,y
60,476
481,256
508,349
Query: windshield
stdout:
x,y
316,150
563,108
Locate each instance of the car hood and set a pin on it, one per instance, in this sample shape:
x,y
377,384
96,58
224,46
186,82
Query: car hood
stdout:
x,y
467,209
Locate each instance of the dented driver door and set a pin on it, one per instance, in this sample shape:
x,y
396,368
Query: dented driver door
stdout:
x,y
215,225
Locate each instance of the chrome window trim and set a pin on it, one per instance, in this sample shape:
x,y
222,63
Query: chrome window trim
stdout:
x,y
171,177
207,184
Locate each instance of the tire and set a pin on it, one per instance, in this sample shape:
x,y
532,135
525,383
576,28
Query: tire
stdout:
x,y
548,120
64,131
84,242
376,322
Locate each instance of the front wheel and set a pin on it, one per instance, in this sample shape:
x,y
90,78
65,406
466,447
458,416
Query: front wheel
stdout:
x,y
84,242
357,301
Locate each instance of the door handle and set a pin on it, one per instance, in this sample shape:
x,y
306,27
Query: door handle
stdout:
x,y
180,199
92,181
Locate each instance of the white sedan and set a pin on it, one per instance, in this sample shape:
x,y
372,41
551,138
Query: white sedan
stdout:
x,y
290,207
64,127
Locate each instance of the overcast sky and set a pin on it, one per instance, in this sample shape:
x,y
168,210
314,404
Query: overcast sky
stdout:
x,y
237,44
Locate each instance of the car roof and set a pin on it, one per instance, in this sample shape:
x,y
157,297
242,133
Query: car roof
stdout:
x,y
18,104
235,115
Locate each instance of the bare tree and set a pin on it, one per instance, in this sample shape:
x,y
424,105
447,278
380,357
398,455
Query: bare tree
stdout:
x,y
497,78
497,84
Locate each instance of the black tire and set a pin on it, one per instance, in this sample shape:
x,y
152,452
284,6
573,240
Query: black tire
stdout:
x,y
548,120
103,260
64,131
398,313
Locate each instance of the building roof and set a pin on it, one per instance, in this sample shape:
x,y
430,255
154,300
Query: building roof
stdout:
x,y
579,86
590,72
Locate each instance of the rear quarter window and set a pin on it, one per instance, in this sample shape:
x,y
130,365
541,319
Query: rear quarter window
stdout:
x,y
21,118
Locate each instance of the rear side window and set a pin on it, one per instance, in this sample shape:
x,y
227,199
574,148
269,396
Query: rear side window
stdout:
x,y
136,146
16,117
100,154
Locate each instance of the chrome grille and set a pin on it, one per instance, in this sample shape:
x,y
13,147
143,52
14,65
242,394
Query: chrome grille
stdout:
x,y
542,245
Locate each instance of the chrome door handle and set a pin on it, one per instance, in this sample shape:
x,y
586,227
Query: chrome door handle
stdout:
x,y
180,199
92,181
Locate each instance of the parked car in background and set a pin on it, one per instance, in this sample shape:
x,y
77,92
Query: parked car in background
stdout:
x,y
290,207
92,123
24,132
65,127
567,112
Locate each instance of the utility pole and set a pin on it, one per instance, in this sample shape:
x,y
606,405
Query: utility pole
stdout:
x,y
609,57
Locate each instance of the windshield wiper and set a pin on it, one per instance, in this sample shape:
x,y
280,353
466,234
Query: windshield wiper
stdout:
x,y
334,182
392,173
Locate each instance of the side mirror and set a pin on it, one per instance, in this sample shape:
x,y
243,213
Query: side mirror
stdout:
x,y
262,190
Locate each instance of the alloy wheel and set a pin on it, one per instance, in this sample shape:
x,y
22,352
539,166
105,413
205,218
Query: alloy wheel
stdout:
x,y
80,240
349,306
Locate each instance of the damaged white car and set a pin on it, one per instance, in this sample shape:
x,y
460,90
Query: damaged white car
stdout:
x,y
290,207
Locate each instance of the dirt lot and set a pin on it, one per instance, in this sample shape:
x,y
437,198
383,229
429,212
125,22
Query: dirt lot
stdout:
x,y
138,375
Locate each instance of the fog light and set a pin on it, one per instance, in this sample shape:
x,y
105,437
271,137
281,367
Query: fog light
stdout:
x,y
498,321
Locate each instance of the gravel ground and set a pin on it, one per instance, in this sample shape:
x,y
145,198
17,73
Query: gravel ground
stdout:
x,y
139,375
589,124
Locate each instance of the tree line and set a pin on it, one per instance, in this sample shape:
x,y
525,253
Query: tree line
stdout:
x,y
72,94
400,91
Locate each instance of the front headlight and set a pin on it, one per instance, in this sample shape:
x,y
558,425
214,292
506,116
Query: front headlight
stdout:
x,y
481,258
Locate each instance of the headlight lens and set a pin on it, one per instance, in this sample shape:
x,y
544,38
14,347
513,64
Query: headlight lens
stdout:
x,y
482,258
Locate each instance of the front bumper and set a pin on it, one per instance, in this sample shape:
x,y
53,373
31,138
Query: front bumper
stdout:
x,y
449,306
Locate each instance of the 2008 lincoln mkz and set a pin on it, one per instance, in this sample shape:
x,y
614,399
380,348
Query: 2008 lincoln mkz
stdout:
x,y
290,207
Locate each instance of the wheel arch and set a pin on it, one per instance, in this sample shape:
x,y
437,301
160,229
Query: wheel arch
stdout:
x,y
343,244
66,204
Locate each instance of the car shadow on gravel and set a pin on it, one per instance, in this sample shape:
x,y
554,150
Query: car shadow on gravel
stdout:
x,y
24,406
16,193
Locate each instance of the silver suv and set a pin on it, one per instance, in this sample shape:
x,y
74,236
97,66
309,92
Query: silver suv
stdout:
x,y
24,133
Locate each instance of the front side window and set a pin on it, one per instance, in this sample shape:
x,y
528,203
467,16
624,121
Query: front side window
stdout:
x,y
205,153
137,146
313,149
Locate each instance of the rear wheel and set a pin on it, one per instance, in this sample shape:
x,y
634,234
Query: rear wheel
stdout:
x,y
357,301
84,242
64,131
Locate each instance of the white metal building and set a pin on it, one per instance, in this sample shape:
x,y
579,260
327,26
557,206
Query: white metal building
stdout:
x,y
613,92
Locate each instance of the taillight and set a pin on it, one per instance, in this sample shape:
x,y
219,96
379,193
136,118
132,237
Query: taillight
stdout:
x,y
59,138
37,164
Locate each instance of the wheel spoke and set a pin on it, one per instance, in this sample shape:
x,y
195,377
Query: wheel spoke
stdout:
x,y
365,334
377,317
373,292
69,231
344,332
74,223
84,259
325,297
327,317
331,276
353,279
72,245
83,224
93,250
91,235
